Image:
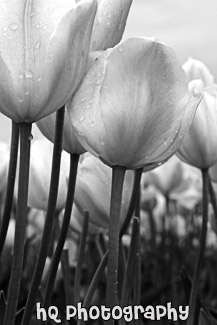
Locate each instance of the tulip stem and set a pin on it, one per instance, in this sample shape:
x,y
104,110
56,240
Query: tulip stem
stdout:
x,y
113,245
50,216
131,263
194,289
103,263
81,251
10,184
213,199
21,220
74,158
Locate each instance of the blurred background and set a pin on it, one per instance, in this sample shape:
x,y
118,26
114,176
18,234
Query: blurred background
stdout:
x,y
188,26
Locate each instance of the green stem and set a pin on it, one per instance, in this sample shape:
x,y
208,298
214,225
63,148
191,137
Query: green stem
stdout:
x,y
74,158
103,263
194,289
66,272
130,268
21,220
113,245
81,251
213,199
10,184
135,193
49,221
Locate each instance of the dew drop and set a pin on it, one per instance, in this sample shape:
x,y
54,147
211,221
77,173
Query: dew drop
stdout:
x,y
37,45
20,75
45,27
28,74
120,49
92,124
165,143
39,79
88,107
13,26
30,137
37,26
82,119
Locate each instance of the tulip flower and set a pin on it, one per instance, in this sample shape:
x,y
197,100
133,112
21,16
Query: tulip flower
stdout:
x,y
168,176
39,177
93,191
132,108
76,223
44,50
199,146
70,143
199,149
109,23
196,69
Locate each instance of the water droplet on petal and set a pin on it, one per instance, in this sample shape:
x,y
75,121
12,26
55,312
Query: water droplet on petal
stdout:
x,y
82,119
13,26
45,27
30,137
28,74
37,45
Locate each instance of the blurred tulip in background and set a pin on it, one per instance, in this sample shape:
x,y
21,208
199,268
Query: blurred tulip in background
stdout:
x,y
199,146
70,143
168,176
40,172
93,190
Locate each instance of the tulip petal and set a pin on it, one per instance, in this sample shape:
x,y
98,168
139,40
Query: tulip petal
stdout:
x,y
42,56
109,23
132,98
198,147
70,142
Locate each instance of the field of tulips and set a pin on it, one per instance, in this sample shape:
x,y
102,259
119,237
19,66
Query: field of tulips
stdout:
x,y
108,192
